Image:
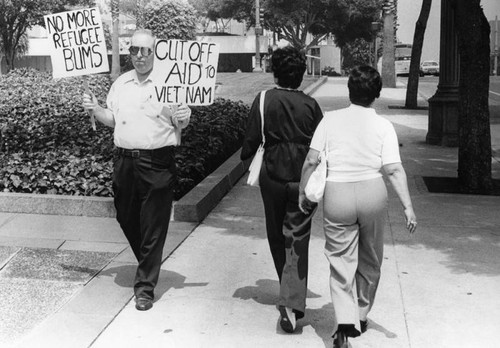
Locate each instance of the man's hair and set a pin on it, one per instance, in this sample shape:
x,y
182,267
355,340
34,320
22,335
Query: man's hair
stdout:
x,y
144,32
288,65
364,85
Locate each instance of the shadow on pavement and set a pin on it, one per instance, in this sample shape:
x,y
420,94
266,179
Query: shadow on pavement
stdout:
x,y
124,277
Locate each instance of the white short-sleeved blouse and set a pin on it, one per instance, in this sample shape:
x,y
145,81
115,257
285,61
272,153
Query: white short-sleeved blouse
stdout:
x,y
359,142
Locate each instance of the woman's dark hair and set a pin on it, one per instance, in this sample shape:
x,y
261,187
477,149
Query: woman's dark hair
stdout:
x,y
364,85
288,65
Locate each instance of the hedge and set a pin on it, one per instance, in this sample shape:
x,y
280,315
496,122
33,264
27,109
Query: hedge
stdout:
x,y
49,147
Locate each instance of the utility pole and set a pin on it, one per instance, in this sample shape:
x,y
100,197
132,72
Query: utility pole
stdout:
x,y
388,63
258,33
496,49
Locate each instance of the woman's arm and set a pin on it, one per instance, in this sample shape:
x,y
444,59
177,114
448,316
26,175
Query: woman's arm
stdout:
x,y
397,176
310,164
253,133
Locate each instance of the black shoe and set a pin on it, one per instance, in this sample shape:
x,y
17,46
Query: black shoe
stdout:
x,y
364,325
340,340
143,304
286,324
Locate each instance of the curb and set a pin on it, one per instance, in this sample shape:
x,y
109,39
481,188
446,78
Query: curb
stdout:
x,y
193,207
28,203
314,86
198,202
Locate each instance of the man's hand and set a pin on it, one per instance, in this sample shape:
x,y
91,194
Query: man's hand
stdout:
x,y
181,116
89,102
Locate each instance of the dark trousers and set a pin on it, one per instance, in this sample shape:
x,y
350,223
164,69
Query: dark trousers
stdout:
x,y
143,184
288,234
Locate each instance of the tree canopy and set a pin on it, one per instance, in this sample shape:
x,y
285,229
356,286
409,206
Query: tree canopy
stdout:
x,y
17,16
170,19
295,20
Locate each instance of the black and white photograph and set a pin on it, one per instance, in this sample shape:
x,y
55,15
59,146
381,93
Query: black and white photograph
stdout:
x,y
249,173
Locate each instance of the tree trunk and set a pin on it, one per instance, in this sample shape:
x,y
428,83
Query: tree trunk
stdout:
x,y
416,54
474,152
9,60
9,54
388,63
115,43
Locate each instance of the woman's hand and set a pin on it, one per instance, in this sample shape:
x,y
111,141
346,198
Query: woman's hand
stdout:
x,y
411,220
305,205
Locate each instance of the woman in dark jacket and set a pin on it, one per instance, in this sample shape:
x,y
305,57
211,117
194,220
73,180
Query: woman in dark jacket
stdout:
x,y
290,118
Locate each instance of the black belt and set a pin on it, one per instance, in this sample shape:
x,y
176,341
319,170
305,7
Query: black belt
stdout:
x,y
140,153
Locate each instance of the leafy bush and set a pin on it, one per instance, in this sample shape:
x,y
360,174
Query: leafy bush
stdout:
x,y
329,71
48,145
213,135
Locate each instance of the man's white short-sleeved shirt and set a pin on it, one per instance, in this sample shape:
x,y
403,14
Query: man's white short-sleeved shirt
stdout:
x,y
359,142
140,121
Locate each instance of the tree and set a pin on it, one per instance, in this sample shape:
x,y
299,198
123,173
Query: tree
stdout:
x,y
416,54
304,23
388,60
474,138
351,20
115,42
217,11
358,52
170,19
17,16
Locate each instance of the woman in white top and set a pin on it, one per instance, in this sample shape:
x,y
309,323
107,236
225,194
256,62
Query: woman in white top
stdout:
x,y
359,145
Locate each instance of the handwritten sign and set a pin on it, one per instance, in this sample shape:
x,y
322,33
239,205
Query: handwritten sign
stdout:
x,y
76,40
185,72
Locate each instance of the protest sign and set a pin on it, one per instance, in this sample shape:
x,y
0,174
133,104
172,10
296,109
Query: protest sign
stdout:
x,y
185,72
76,43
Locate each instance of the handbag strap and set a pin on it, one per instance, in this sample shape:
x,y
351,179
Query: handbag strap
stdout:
x,y
261,108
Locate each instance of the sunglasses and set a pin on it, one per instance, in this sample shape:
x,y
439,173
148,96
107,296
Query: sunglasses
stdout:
x,y
145,51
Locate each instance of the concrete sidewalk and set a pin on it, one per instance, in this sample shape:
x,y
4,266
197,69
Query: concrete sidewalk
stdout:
x,y
218,286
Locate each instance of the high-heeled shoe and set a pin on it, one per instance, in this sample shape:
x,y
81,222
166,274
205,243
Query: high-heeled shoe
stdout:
x,y
364,325
340,340
288,321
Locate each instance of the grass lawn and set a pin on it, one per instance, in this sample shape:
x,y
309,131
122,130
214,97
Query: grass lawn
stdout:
x,y
245,86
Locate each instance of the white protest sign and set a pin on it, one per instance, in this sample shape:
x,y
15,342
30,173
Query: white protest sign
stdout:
x,y
76,43
185,72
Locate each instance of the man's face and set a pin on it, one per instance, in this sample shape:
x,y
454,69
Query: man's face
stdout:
x,y
142,62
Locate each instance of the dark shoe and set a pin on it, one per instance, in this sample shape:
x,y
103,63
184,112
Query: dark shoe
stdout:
x,y
364,325
143,304
286,323
340,340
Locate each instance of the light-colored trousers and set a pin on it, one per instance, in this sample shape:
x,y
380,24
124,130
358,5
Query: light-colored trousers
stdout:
x,y
354,222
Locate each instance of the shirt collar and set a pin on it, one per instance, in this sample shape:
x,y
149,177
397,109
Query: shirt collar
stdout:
x,y
359,108
133,78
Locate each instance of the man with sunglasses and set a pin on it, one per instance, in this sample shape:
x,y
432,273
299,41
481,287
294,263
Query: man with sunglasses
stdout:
x,y
145,135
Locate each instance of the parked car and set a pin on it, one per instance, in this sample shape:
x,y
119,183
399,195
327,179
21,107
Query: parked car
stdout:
x,y
429,67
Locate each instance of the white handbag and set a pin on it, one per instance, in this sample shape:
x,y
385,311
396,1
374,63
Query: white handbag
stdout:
x,y
258,158
315,187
